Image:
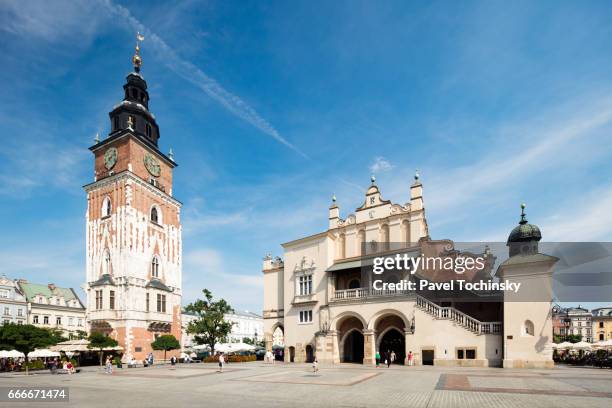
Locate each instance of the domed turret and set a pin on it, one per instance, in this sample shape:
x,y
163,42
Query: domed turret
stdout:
x,y
524,238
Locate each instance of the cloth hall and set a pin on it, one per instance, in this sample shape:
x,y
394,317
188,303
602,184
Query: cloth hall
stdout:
x,y
319,295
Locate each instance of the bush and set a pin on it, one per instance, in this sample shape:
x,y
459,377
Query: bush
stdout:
x,y
35,365
231,359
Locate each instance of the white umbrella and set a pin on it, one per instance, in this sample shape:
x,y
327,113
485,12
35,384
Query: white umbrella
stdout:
x,y
564,345
582,345
201,347
16,354
4,354
233,347
603,344
43,353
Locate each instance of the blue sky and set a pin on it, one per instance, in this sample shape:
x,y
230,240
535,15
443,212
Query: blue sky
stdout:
x,y
270,107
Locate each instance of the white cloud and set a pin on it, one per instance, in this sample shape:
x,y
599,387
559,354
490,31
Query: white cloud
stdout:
x,y
380,165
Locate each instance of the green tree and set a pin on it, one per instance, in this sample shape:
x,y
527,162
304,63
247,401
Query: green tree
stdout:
x,y
165,342
210,325
100,341
26,338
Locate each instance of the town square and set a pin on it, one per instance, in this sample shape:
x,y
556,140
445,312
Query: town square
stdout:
x,y
301,203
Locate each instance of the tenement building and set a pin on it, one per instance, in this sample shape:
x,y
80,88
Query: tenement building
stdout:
x,y
322,296
53,307
13,304
133,235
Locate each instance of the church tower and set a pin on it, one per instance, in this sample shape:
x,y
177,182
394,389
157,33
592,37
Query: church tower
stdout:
x,y
133,235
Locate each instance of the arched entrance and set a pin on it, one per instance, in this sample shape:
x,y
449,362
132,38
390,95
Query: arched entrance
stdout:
x,y
390,329
350,336
353,347
393,341
309,354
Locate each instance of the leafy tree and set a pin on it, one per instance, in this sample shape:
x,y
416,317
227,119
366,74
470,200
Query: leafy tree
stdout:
x,y
80,335
26,338
166,342
100,341
210,325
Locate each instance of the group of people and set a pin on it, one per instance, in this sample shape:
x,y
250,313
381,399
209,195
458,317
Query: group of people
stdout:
x,y
389,358
54,365
11,364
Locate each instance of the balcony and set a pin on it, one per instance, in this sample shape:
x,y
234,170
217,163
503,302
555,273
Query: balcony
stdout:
x,y
348,295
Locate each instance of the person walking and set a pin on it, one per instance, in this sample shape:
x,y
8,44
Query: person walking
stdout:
x,y
221,362
377,358
393,356
410,358
315,365
388,359
109,365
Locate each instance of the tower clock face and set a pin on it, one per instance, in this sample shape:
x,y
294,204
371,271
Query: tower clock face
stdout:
x,y
152,165
110,158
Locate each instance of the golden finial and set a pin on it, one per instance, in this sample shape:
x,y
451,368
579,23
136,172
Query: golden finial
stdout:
x,y
136,59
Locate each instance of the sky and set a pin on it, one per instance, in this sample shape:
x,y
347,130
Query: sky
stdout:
x,y
272,107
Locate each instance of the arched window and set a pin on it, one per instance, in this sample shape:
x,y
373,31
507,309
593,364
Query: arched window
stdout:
x,y
528,328
154,215
107,207
155,267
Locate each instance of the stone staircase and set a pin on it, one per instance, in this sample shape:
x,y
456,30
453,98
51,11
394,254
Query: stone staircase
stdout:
x,y
462,319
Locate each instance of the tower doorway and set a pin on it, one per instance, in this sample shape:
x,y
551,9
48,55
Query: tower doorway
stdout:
x,y
309,354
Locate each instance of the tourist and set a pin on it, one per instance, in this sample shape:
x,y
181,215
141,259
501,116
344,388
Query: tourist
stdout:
x,y
150,358
69,367
221,362
388,358
410,358
377,359
172,360
315,365
393,356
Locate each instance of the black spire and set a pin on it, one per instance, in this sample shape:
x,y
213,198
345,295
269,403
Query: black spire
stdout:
x,y
132,114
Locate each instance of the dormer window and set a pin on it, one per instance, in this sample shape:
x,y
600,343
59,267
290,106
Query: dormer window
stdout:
x,y
148,130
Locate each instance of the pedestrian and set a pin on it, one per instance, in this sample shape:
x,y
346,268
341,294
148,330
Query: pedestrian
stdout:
x,y
221,362
388,359
393,357
377,359
172,360
109,365
410,358
150,359
315,365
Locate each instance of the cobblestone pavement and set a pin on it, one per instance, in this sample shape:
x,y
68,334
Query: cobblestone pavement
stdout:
x,y
295,385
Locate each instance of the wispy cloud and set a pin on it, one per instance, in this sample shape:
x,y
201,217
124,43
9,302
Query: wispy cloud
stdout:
x,y
380,165
188,71
587,218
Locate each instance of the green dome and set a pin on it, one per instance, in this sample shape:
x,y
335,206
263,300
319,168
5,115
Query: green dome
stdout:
x,y
524,232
